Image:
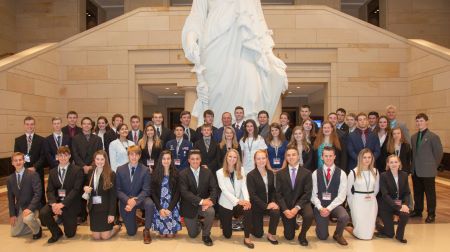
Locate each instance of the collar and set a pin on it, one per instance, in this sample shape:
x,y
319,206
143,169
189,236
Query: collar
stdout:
x,y
64,167
28,135
293,167
130,166
325,168
195,170
208,137
21,172
57,135
424,131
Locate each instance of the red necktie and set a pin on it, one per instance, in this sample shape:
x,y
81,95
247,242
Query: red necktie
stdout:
x,y
135,137
328,174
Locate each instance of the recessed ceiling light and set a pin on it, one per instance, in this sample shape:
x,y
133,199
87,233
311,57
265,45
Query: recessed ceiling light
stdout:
x,y
298,86
167,88
290,92
175,93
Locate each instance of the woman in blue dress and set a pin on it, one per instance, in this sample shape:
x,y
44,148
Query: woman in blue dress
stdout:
x,y
276,146
166,195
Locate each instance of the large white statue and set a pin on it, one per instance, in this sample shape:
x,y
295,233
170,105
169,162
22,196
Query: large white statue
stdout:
x,y
231,46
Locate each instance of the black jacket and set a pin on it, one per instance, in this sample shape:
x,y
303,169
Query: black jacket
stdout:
x,y
259,198
28,196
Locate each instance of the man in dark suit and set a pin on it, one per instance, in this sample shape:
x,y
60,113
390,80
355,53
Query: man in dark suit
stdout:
x,y
293,188
263,120
199,193
427,155
239,123
32,145
54,141
112,134
133,192
189,134
164,133
209,149
360,139
226,121
180,148
305,114
24,197
208,119
64,197
135,133
71,129
341,114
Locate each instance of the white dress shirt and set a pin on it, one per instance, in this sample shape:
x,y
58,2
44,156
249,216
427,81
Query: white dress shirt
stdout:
x,y
342,192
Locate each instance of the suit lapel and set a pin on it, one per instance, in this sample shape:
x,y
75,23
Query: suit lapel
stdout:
x,y
191,177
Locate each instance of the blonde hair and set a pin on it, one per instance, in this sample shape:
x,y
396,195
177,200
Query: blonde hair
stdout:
x,y
234,142
268,167
293,142
372,168
237,166
144,140
393,156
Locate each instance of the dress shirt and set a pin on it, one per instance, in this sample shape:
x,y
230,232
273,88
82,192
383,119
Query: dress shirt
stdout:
x,y
342,193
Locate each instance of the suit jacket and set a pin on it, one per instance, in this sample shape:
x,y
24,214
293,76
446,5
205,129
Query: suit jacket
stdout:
x,y
344,127
182,154
287,197
288,133
199,131
65,131
380,162
156,151
211,157
50,148
191,195
259,198
240,131
131,137
428,157
139,187
194,136
37,155
109,197
231,193
28,196
166,134
389,192
174,190
83,151
264,131
73,184
109,136
355,145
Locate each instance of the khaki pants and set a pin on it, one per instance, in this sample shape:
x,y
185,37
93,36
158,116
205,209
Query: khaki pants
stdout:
x,y
27,225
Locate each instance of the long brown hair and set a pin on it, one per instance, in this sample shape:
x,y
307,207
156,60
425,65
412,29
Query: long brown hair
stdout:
x,y
312,132
270,136
391,141
388,128
144,140
334,139
372,168
255,130
107,171
237,166
293,143
223,142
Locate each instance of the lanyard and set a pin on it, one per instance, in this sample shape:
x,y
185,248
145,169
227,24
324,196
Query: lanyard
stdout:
x,y
325,180
126,147
250,146
58,143
365,181
61,179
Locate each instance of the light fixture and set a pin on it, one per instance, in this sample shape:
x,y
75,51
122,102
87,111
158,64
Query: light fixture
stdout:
x,y
175,93
298,87
290,92
167,88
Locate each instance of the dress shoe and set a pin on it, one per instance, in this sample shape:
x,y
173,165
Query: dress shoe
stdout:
x,y
302,241
249,245
274,242
430,219
147,237
380,235
414,214
207,240
38,235
401,240
340,239
54,239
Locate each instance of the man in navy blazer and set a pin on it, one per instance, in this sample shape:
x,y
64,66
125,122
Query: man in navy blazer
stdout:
x,y
54,141
359,139
133,192
180,148
24,196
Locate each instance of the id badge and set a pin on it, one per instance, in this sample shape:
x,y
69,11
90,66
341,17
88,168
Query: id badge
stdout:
x,y
326,196
177,161
368,197
276,161
398,202
27,158
62,193
97,200
150,162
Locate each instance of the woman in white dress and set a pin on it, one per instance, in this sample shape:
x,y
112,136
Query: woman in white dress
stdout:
x,y
231,46
250,143
118,149
362,189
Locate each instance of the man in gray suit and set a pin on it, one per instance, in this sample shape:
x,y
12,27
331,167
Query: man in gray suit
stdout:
x,y
427,155
391,113
24,197
263,120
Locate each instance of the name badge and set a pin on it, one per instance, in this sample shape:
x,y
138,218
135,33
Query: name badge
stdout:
x,y
276,161
150,162
326,196
97,200
398,202
27,158
177,161
62,193
368,197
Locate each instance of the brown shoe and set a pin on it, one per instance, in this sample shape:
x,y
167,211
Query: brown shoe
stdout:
x,y
340,239
147,237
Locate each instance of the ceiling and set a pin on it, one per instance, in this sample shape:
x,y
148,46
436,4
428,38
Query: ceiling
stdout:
x,y
105,4
354,2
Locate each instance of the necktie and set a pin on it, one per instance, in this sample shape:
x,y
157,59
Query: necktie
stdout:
x,y
419,140
59,141
87,137
196,176
62,174
293,176
207,143
29,142
18,180
135,138
178,145
158,132
363,137
328,174
237,126
132,172
188,134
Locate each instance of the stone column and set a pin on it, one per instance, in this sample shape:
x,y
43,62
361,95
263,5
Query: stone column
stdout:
x,y
190,95
278,110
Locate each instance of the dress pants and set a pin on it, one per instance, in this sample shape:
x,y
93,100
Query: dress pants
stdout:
x,y
387,217
322,222
129,218
258,221
193,225
226,219
69,217
290,224
30,224
423,185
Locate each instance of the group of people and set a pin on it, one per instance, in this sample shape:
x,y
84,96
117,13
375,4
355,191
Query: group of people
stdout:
x,y
353,169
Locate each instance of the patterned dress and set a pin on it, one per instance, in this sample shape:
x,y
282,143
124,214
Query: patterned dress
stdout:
x,y
170,224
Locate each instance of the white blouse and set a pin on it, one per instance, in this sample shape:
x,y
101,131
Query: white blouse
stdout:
x,y
249,148
118,153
